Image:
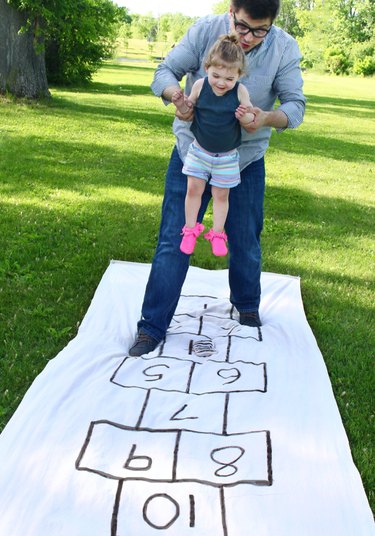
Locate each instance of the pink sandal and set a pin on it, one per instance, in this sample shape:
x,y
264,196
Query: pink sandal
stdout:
x,y
218,242
189,238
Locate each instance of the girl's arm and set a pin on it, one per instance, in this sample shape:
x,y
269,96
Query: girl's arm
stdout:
x,y
185,104
243,113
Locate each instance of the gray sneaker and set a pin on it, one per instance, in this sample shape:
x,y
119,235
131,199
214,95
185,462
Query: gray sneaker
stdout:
x,y
144,344
250,319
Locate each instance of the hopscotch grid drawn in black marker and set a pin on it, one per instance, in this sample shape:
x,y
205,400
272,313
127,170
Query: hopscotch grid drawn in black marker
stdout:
x,y
116,507
201,321
208,358
228,348
118,368
175,454
225,416
223,511
176,319
173,518
260,336
192,507
125,427
192,511
265,378
200,296
179,411
190,375
227,329
143,409
85,445
264,436
162,352
269,457
226,450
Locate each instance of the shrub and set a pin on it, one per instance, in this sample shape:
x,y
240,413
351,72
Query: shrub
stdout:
x,y
337,60
312,56
363,58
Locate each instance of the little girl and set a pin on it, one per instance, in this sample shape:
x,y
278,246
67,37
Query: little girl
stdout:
x,y
220,109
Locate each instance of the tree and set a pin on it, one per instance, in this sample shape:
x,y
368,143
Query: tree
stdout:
x,y
80,38
170,26
146,26
180,24
164,26
315,24
70,37
287,18
221,7
355,19
22,64
353,38
125,33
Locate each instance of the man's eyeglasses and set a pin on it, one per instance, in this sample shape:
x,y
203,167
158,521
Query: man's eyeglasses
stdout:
x,y
243,29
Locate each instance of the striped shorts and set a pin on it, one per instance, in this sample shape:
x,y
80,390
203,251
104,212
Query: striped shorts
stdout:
x,y
220,169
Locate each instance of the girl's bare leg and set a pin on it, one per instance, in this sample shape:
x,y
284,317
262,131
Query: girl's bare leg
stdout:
x,y
220,197
193,200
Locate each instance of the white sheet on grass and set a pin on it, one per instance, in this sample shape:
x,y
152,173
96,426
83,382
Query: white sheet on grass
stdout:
x,y
245,440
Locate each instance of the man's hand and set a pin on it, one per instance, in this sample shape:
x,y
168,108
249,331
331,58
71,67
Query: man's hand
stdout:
x,y
275,119
174,92
244,115
189,115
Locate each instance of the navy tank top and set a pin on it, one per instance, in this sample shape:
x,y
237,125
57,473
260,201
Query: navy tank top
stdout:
x,y
214,126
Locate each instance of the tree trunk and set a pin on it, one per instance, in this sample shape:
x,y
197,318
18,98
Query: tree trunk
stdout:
x,y
22,66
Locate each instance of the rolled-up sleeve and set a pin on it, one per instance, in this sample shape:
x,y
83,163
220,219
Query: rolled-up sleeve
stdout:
x,y
288,86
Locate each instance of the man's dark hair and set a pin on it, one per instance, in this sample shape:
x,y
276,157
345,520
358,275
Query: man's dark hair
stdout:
x,y
258,9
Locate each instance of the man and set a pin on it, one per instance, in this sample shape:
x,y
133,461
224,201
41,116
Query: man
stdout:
x,y
273,72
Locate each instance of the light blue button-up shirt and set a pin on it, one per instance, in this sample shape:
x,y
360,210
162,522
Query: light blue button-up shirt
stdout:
x,y
272,72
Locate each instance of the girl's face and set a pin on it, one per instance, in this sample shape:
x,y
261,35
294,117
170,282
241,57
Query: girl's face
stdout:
x,y
222,79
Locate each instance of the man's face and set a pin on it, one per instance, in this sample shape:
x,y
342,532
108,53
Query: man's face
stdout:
x,y
240,23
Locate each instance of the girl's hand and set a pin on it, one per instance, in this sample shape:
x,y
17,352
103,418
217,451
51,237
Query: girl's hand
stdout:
x,y
245,115
186,111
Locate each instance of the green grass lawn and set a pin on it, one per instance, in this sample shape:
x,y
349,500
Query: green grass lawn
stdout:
x,y
81,183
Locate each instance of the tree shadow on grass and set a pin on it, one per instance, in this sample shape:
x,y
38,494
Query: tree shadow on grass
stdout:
x,y
140,114
118,65
79,167
327,218
305,143
302,142
122,88
350,108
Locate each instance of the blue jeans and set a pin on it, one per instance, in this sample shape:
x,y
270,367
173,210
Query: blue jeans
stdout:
x,y
169,267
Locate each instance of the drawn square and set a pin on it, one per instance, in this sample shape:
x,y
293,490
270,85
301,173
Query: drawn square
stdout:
x,y
151,509
168,374
179,345
248,344
213,377
222,460
201,413
123,452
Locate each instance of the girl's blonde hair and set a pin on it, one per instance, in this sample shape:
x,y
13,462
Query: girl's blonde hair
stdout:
x,y
226,52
